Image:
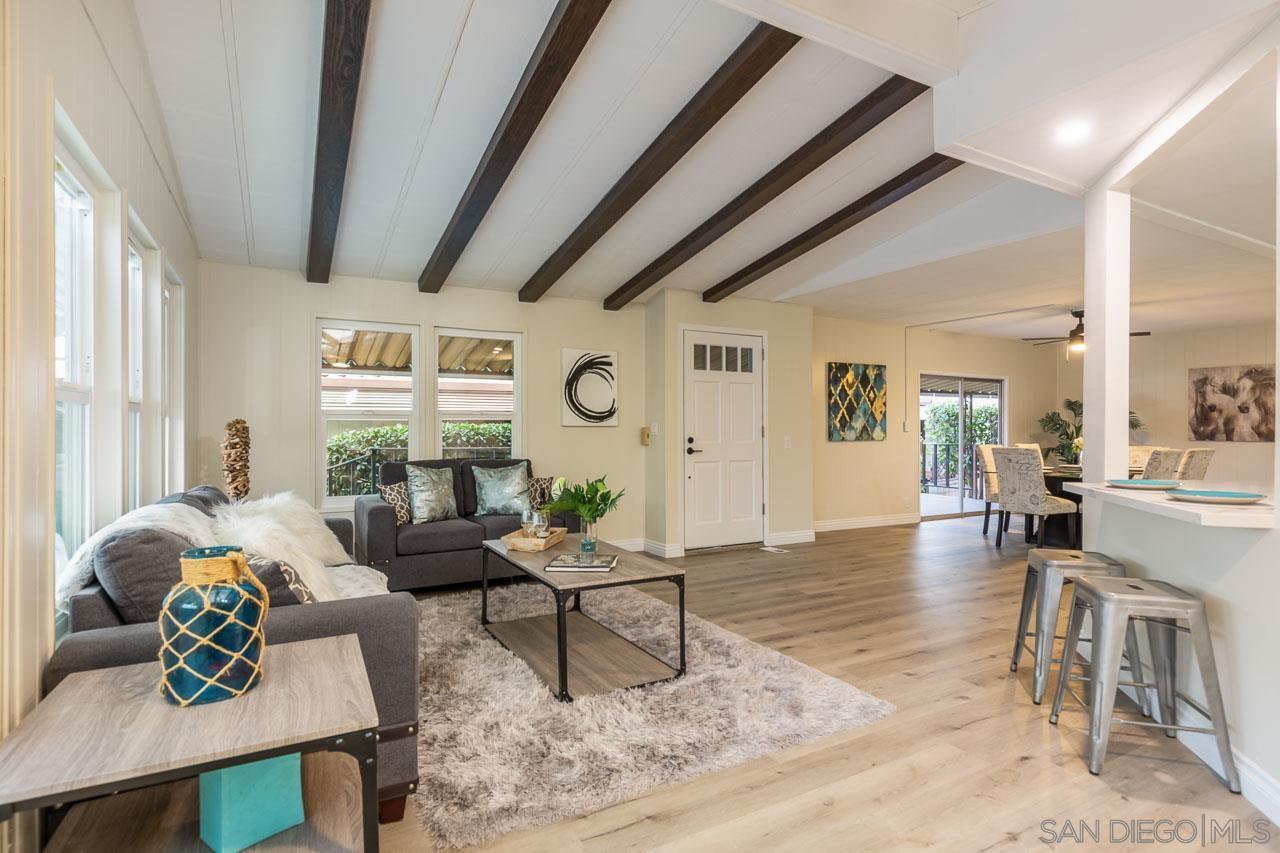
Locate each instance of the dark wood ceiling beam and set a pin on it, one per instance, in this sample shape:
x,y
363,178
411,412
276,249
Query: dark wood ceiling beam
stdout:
x,y
346,23
752,59
921,174
566,34
891,96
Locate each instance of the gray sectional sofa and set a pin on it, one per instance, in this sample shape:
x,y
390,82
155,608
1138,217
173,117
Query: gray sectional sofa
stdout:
x,y
418,556
113,623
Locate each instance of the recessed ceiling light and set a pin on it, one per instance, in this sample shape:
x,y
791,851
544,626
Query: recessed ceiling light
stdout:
x,y
1073,132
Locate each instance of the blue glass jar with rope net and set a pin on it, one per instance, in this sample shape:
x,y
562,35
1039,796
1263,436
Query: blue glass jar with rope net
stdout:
x,y
211,628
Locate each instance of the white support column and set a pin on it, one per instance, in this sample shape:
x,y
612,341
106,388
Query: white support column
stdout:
x,y
1275,152
1106,315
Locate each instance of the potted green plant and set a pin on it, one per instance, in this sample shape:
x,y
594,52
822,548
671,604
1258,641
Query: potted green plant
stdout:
x,y
1070,430
589,501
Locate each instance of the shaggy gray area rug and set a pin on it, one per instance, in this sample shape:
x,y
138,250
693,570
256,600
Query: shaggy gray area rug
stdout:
x,y
498,752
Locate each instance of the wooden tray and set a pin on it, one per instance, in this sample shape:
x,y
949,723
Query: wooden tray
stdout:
x,y
517,541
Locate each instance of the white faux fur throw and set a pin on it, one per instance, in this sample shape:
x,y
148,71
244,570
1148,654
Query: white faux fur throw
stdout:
x,y
185,522
285,527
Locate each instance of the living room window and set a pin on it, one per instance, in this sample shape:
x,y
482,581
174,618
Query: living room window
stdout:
x,y
72,358
133,438
368,404
478,394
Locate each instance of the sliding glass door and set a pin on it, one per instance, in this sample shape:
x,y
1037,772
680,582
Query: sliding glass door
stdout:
x,y
956,414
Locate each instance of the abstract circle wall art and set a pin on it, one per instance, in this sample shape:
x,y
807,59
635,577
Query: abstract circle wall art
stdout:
x,y
589,388
857,402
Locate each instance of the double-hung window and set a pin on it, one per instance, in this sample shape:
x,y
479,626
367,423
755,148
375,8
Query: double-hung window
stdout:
x,y
133,437
478,394
72,359
368,404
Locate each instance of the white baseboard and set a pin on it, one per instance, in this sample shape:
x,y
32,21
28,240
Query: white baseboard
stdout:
x,y
666,550
628,544
866,521
1257,786
789,537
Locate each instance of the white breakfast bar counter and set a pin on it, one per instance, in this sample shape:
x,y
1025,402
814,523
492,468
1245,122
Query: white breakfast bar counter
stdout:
x,y
1230,557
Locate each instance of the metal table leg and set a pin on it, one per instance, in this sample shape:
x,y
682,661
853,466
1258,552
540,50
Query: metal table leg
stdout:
x,y
484,586
367,757
562,647
679,582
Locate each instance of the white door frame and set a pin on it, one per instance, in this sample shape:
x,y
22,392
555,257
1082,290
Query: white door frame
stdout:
x,y
951,374
682,329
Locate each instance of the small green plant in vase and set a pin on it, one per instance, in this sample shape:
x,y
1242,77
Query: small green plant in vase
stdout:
x,y
589,501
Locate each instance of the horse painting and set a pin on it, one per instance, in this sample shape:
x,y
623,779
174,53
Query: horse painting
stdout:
x,y
1232,403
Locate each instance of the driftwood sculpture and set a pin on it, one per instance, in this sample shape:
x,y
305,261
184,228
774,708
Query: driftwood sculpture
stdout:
x,y
235,458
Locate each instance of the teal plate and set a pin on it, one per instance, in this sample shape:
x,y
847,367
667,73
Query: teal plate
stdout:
x,y
1145,485
1208,496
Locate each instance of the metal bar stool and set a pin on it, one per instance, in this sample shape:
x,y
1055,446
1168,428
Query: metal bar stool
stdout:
x,y
1048,571
1116,603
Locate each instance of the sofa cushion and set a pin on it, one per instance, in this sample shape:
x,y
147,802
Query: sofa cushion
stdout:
x,y
137,568
397,472
283,584
397,497
497,526
433,537
431,494
502,491
203,498
468,505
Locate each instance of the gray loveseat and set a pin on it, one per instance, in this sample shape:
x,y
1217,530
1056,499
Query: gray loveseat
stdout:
x,y
418,556
108,629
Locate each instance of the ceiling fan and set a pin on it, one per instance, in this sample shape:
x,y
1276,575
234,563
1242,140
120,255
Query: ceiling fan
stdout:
x,y
1075,338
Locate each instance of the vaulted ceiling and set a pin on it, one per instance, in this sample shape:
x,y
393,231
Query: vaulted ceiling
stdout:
x,y
238,82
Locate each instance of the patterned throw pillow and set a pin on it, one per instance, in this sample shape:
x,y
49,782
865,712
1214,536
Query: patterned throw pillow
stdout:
x,y
502,491
397,494
540,491
431,494
283,584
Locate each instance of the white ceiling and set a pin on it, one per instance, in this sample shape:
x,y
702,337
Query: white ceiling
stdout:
x,y
237,85
238,82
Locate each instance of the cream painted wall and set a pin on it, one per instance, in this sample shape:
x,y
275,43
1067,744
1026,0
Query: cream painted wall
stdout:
x,y
258,361
862,483
1158,391
88,59
789,331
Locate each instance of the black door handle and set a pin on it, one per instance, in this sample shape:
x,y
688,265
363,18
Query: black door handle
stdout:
x,y
690,451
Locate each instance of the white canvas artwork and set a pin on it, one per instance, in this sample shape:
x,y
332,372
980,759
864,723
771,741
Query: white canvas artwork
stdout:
x,y
588,388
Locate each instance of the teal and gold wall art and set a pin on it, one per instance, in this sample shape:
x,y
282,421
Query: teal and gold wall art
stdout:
x,y
857,402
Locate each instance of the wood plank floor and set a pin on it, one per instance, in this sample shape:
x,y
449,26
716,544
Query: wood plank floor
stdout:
x,y
922,616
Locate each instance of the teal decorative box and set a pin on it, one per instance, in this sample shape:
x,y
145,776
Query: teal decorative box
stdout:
x,y
242,805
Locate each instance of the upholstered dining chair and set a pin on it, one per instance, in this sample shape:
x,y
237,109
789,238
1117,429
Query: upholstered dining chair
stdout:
x,y
1162,464
1194,464
990,483
1140,453
1020,472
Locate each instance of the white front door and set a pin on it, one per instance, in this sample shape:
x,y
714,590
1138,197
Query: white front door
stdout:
x,y
723,441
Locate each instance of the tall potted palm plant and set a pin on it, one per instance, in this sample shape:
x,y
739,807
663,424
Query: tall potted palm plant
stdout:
x,y
1070,430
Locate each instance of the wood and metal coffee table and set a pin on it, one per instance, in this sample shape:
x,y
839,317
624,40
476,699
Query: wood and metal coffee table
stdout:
x,y
602,660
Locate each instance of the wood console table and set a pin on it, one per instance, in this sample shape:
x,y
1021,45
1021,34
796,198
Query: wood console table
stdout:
x,y
107,737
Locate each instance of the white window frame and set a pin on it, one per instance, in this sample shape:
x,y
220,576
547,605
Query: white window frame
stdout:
x,y
78,390
135,290
173,384
517,414
347,503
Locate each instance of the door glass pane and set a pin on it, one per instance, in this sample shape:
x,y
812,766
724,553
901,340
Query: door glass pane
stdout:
x,y
731,359
744,364
717,358
366,391
699,356
956,414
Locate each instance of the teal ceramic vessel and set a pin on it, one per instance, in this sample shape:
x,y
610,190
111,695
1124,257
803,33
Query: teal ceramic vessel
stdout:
x,y
211,627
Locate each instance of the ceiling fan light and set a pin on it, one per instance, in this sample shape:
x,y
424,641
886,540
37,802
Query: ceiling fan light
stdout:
x,y
1077,345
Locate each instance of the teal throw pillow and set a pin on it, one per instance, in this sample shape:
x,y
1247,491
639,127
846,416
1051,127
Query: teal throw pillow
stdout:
x,y
502,491
431,494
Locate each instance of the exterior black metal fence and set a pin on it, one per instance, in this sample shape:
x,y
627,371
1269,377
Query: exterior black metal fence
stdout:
x,y
360,475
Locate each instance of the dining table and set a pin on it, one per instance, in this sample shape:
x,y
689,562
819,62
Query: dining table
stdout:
x,y
1056,534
